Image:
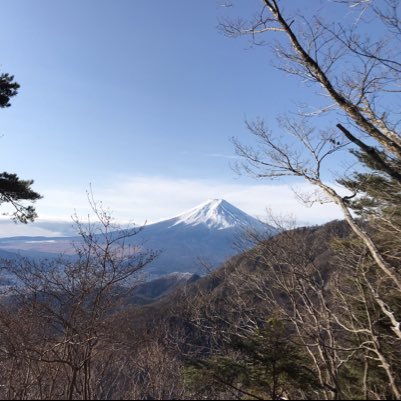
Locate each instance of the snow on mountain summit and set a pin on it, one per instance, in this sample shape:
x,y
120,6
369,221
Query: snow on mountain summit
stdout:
x,y
216,214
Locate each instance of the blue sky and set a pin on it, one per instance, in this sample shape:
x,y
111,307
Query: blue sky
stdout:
x,y
138,99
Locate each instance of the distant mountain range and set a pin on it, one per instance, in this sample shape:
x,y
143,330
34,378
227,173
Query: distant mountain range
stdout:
x,y
202,237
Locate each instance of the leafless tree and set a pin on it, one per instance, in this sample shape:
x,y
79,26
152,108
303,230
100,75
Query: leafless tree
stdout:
x,y
355,285
359,75
279,278
325,297
292,284
55,319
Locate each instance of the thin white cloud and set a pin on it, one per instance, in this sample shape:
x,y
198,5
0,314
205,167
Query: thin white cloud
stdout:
x,y
221,156
216,155
142,198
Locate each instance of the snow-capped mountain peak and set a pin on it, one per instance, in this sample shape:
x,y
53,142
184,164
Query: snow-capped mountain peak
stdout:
x,y
216,214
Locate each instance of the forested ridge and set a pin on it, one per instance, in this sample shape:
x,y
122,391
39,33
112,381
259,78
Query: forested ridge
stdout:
x,y
292,318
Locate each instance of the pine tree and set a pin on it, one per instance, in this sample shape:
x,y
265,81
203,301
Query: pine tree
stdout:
x,y
263,364
13,190
8,89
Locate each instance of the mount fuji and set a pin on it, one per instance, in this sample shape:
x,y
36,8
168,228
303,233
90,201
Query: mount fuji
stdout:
x,y
215,214
206,235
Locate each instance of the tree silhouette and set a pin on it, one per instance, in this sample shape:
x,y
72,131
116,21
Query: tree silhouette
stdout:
x,y
13,190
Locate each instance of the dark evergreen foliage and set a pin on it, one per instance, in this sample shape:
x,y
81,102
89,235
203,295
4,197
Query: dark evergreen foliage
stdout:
x,y
264,365
8,89
13,190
